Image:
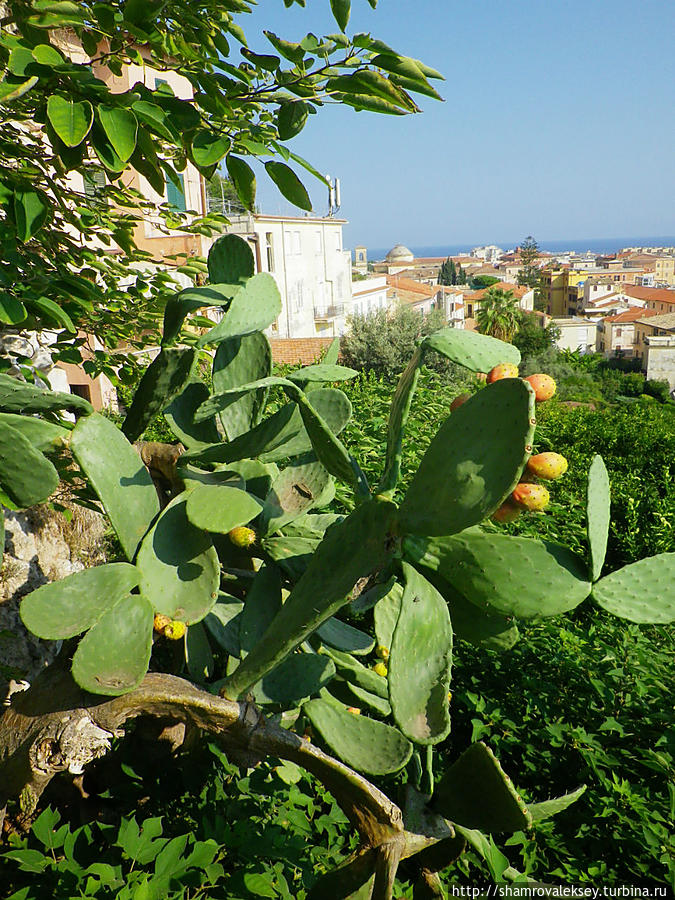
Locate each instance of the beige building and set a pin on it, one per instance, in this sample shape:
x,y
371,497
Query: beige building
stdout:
x,y
655,341
616,333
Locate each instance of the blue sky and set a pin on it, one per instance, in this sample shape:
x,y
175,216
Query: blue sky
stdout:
x,y
557,122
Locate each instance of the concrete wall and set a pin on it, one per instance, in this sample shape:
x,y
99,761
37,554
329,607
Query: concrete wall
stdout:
x,y
660,359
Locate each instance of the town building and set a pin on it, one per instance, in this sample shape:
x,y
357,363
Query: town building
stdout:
x,y
661,300
616,333
655,343
576,333
369,295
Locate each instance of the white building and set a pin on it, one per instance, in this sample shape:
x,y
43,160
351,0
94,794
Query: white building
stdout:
x,y
576,334
311,268
490,253
369,295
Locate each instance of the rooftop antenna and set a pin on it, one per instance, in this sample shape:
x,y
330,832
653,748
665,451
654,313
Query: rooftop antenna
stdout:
x,y
333,195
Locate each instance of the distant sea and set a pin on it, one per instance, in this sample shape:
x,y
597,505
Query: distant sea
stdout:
x,y
595,245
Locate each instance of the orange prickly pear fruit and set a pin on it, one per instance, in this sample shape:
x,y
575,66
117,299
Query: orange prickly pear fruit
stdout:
x,y
543,385
531,496
242,536
175,630
380,669
458,401
354,710
160,623
382,652
548,466
507,512
503,370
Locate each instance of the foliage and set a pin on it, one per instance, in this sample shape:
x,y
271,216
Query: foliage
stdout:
x,y
451,274
497,314
478,282
657,388
221,196
70,141
529,254
531,339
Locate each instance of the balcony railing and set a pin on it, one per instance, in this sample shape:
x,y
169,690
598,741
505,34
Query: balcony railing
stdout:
x,y
329,312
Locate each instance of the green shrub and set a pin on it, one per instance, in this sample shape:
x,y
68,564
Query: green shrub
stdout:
x,y
660,389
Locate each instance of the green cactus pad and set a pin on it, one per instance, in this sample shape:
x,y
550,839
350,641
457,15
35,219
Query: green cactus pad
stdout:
x,y
298,678
642,592
379,705
312,524
231,260
179,567
62,609
223,623
164,379
294,492
26,476
180,415
118,476
356,673
221,477
258,476
240,360
292,554
545,809
386,614
354,879
184,302
329,449
220,508
364,744
475,792
323,372
198,654
488,630
511,576
113,656
263,602
345,637
478,352
398,417
19,397
350,550
370,598
43,436
255,307
420,660
473,462
597,514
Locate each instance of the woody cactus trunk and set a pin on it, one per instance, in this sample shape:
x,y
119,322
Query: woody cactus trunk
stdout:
x,y
245,564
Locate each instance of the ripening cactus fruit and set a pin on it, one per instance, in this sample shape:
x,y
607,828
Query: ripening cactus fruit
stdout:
x,y
242,536
458,401
547,466
160,623
380,669
354,710
534,497
382,652
503,370
543,385
175,630
507,512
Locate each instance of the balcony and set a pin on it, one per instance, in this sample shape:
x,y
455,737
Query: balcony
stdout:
x,y
329,312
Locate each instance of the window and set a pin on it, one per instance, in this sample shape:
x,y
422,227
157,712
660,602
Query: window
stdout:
x,y
469,309
269,247
174,196
618,332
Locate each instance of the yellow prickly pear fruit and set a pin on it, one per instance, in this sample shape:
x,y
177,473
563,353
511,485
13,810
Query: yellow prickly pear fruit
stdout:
x,y
354,710
160,623
503,370
534,497
459,401
543,385
382,652
380,669
507,512
449,696
242,536
548,466
175,630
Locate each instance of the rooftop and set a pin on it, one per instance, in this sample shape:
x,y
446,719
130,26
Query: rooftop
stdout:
x,y
666,322
660,295
632,315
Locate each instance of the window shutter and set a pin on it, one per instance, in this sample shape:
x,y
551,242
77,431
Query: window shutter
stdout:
x,y
174,196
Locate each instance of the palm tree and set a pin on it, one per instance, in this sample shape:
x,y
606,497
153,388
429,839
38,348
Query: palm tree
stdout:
x,y
498,314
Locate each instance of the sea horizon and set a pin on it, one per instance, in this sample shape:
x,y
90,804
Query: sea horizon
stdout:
x,y
594,245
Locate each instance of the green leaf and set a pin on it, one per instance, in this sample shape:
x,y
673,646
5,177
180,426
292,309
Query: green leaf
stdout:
x,y
26,476
10,92
47,55
260,885
12,311
239,360
289,184
30,213
291,119
341,10
208,148
120,126
70,119
53,312
288,49
243,179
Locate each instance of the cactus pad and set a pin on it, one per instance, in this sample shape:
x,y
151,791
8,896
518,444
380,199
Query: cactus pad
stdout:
x,y
398,417
220,508
345,637
366,745
62,609
164,379
223,623
475,792
323,372
198,656
375,703
118,476
512,576
298,678
642,592
26,476
473,462
263,602
420,660
545,809
184,302
597,514
20,397
478,352
179,567
42,435
386,614
255,307
239,360
180,415
231,260
113,656
294,492
292,554
356,673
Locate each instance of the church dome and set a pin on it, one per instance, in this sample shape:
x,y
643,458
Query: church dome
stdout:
x,y
399,253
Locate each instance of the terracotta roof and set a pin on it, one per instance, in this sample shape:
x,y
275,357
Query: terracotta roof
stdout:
x,y
517,290
660,295
665,321
304,351
411,286
631,315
